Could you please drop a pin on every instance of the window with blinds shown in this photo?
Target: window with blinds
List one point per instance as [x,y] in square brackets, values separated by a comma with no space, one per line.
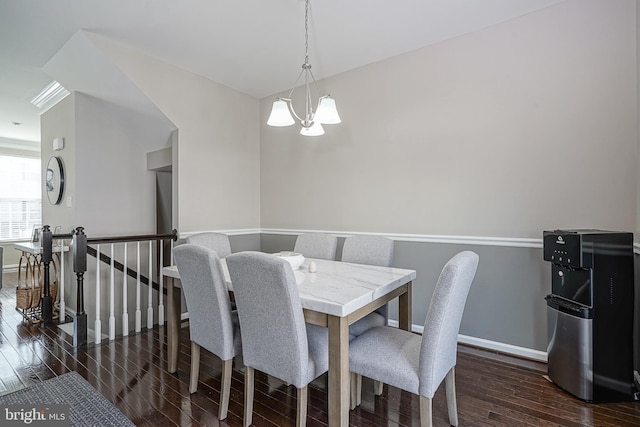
[20,197]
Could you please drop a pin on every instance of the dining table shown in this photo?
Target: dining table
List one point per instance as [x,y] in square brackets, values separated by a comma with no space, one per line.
[335,295]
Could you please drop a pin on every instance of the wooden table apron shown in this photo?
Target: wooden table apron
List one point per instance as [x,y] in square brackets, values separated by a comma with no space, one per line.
[338,386]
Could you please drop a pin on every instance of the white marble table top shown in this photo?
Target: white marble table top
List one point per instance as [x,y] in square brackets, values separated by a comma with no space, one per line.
[336,288]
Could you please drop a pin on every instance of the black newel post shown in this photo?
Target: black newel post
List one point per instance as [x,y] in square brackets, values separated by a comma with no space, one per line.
[47,257]
[79,267]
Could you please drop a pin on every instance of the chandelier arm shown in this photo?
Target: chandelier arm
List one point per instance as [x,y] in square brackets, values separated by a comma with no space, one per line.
[295,84]
[308,110]
[315,83]
[293,111]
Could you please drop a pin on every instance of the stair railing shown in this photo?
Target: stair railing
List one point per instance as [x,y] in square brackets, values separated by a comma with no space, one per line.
[80,251]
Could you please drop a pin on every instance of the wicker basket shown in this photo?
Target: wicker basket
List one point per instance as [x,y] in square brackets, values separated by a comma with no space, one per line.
[30,287]
[29,292]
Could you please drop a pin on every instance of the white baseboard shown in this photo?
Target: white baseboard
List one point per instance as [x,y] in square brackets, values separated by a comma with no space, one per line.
[510,349]
[10,268]
[513,350]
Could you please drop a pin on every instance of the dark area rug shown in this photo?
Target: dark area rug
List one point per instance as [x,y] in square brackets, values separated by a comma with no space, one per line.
[85,405]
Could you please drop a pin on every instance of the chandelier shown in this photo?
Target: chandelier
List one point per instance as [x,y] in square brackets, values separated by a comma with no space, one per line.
[326,112]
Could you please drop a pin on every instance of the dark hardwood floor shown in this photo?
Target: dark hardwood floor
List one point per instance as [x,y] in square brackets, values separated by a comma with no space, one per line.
[492,389]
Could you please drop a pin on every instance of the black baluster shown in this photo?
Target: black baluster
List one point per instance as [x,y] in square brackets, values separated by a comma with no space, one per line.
[79,267]
[46,303]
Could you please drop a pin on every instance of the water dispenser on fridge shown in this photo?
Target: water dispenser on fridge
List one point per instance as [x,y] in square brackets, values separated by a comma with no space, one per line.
[590,313]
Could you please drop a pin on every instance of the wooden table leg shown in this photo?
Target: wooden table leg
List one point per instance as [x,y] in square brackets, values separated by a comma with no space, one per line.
[173,324]
[338,371]
[404,309]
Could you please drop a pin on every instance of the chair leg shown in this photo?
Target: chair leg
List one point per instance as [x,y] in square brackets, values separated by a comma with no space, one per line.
[301,413]
[355,388]
[353,398]
[248,396]
[377,388]
[225,385]
[452,406]
[195,367]
[426,409]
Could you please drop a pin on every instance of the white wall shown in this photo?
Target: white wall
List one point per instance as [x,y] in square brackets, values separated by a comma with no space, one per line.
[116,194]
[60,122]
[521,127]
[111,191]
[218,168]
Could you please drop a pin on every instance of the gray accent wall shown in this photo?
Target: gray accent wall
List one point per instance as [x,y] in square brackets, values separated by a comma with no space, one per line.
[506,302]
[245,242]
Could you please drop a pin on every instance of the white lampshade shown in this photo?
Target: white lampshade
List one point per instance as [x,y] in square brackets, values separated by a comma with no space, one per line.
[315,130]
[280,114]
[327,113]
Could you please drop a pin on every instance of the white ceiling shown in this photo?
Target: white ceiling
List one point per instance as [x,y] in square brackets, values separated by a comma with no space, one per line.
[254,46]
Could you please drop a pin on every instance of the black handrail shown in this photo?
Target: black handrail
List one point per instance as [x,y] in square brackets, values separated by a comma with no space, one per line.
[141,238]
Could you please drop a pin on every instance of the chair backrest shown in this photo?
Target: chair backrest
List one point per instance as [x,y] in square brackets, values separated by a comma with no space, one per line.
[207,298]
[274,336]
[217,241]
[371,250]
[317,245]
[441,327]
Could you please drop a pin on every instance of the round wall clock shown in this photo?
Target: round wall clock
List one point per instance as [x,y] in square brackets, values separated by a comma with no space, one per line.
[54,180]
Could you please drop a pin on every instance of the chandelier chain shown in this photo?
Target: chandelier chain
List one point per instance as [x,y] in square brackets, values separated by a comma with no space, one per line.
[306,32]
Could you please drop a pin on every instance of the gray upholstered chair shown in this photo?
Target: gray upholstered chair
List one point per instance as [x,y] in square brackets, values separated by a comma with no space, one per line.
[217,241]
[420,364]
[317,245]
[371,250]
[212,323]
[275,338]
